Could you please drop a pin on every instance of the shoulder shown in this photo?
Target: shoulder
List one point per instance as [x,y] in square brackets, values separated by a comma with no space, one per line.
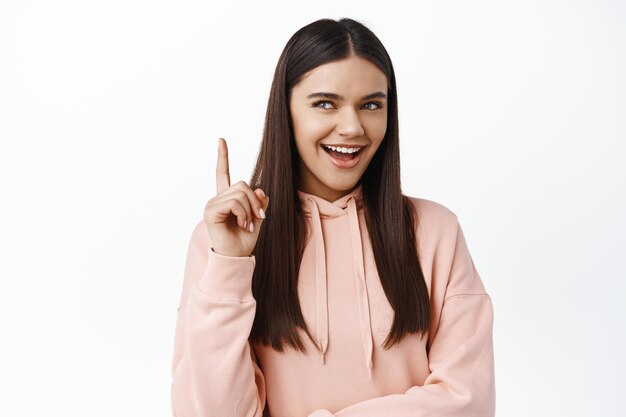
[444,253]
[433,216]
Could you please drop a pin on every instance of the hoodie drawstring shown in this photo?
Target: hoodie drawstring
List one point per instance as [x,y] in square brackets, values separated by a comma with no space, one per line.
[359,272]
[321,282]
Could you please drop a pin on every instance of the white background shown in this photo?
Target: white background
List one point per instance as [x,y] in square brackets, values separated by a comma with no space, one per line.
[512,114]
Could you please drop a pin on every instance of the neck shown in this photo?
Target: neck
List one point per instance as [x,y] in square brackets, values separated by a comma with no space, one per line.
[328,194]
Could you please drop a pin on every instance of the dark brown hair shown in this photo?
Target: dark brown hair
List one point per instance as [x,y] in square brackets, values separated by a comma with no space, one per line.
[390,215]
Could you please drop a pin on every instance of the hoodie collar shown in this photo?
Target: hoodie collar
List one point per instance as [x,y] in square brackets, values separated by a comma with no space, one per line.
[317,209]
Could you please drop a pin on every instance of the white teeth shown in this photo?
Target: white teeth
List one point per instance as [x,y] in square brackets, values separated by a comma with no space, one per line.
[343,150]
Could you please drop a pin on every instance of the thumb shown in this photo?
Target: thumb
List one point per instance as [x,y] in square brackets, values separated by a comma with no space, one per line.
[266,202]
[263,198]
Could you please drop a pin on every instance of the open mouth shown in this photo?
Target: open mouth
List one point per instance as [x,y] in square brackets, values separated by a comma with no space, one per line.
[342,156]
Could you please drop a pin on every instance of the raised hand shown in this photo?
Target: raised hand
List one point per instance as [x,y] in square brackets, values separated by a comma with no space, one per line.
[233,217]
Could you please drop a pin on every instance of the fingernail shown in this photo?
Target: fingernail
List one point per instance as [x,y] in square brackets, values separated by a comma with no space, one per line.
[261,213]
[262,193]
[251,227]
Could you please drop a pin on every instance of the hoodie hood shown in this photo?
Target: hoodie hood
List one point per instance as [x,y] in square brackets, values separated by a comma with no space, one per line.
[317,209]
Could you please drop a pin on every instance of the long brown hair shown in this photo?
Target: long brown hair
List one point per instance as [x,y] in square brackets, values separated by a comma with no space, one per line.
[390,215]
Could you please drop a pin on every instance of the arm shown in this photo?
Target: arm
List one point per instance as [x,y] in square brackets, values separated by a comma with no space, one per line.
[214,370]
[461,359]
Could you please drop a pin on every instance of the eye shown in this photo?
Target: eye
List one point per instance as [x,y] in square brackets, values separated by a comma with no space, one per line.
[316,104]
[377,103]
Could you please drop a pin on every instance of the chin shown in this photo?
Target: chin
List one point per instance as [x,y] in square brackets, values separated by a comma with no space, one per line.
[342,185]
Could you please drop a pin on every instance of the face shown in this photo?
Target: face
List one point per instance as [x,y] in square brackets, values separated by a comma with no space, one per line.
[352,113]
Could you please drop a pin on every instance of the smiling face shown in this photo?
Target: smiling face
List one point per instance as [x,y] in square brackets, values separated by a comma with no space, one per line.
[351,112]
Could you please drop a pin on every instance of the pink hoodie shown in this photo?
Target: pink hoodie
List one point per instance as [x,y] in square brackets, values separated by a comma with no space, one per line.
[217,373]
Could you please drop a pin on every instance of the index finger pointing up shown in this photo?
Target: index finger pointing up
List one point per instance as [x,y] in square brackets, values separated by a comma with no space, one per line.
[222,171]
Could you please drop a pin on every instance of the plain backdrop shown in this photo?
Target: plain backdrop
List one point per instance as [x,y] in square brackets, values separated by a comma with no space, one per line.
[512,114]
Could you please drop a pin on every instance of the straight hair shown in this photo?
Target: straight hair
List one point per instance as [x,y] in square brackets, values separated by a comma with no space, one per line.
[390,215]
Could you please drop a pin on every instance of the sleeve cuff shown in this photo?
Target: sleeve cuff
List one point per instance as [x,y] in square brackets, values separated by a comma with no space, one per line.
[227,277]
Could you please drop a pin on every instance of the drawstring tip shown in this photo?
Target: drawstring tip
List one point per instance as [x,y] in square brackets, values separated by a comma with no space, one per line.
[322,357]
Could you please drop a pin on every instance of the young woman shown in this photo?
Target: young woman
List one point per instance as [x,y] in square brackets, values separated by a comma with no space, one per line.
[318,288]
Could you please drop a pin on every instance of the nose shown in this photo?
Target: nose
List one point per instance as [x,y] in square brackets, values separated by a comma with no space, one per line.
[349,123]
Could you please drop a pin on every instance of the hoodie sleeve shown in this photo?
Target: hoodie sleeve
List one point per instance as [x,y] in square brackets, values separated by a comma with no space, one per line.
[461,358]
[214,369]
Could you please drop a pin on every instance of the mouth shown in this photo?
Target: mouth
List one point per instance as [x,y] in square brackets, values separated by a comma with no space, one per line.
[344,159]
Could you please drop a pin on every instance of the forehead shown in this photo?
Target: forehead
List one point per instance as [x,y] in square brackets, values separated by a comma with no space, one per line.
[348,76]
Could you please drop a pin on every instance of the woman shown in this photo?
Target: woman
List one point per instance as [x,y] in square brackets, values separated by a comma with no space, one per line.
[340,296]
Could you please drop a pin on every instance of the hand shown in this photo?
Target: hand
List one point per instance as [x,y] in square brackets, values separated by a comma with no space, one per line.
[232,216]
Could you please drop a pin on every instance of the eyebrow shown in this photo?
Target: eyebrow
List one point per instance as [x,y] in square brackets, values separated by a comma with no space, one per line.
[378,94]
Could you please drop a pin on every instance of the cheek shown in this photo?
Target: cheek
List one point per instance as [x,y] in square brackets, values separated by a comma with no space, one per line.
[315,128]
[376,131]
[309,131]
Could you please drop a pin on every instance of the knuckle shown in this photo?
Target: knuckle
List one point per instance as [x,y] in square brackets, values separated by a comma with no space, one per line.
[233,203]
[243,199]
[242,195]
